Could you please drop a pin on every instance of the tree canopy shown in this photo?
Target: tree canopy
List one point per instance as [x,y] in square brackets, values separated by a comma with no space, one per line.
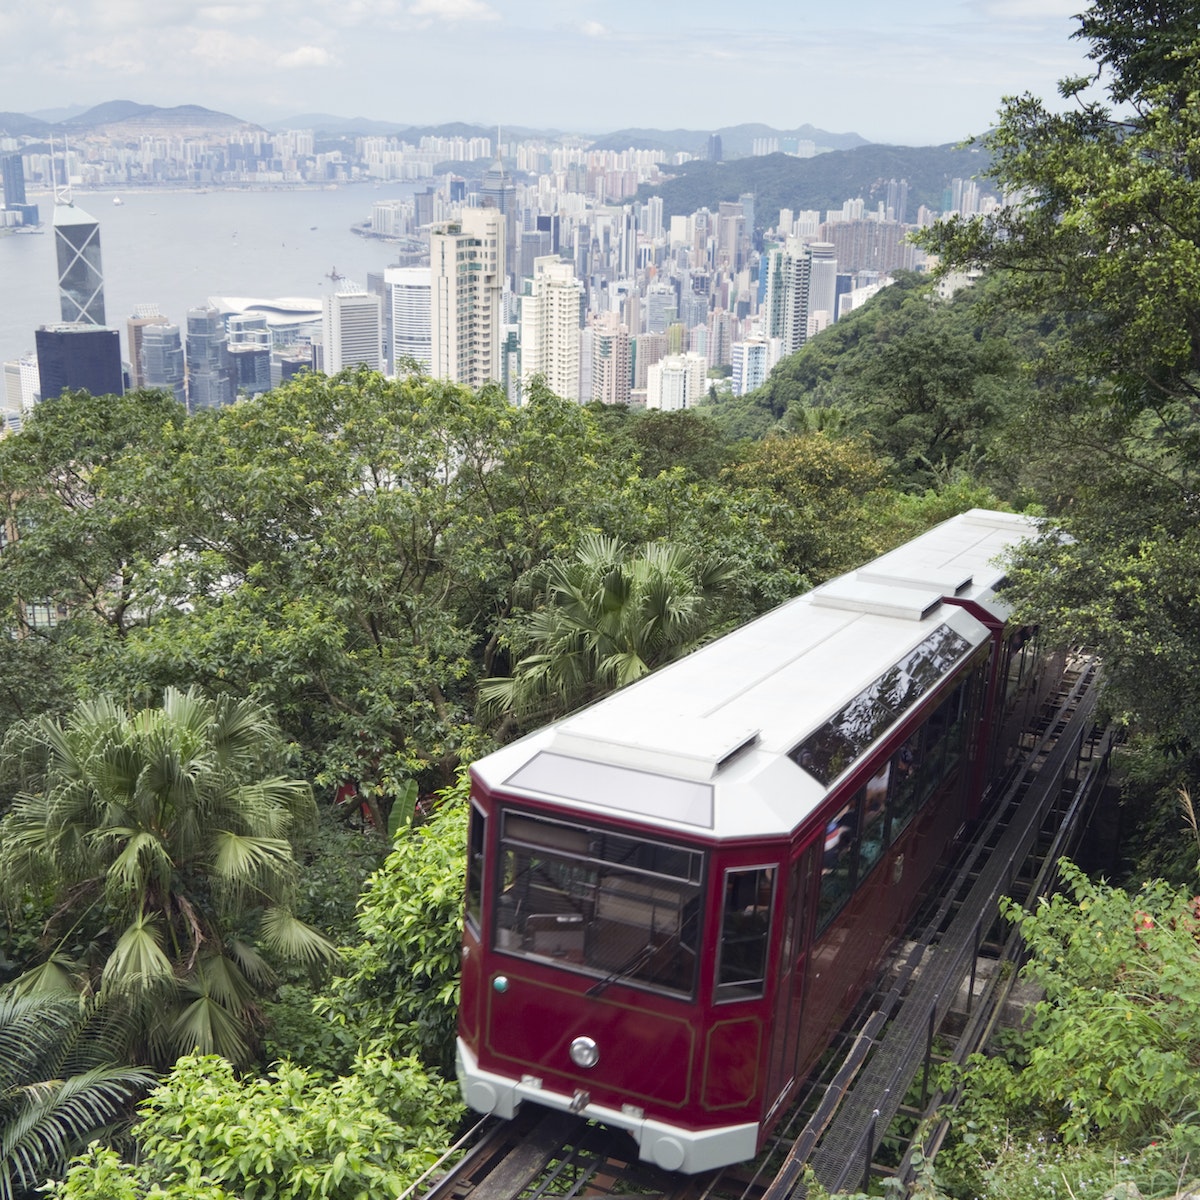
[1102,230]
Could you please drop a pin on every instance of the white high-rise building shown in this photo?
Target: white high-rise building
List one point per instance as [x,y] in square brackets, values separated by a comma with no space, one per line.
[352,329]
[752,363]
[20,384]
[676,381]
[822,288]
[409,293]
[786,305]
[467,265]
[550,311]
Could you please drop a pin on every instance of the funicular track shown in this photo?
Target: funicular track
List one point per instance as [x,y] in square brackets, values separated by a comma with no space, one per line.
[946,987]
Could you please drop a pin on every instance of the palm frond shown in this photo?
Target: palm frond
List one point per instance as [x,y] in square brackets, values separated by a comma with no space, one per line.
[137,965]
[220,977]
[205,1027]
[142,861]
[251,964]
[243,865]
[57,978]
[289,937]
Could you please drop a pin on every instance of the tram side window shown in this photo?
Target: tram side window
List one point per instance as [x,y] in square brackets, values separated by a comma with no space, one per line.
[476,840]
[873,837]
[745,933]
[905,796]
[838,861]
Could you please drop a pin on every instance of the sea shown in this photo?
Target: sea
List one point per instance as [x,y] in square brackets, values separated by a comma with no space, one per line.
[175,249]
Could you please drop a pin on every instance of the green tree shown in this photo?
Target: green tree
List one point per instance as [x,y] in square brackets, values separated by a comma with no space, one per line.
[602,619]
[823,494]
[347,549]
[81,535]
[1097,1087]
[164,836]
[60,1086]
[1106,233]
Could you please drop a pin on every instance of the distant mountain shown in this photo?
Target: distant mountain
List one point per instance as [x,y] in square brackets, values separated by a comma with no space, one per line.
[823,182]
[109,113]
[328,125]
[23,125]
[737,141]
[123,116]
[55,115]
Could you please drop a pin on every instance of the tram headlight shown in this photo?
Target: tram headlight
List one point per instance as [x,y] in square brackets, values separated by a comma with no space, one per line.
[584,1052]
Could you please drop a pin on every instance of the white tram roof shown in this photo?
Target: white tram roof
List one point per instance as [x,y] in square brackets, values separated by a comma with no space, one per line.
[701,746]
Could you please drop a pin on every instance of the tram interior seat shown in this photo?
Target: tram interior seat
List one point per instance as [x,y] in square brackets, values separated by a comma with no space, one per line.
[559,935]
[635,920]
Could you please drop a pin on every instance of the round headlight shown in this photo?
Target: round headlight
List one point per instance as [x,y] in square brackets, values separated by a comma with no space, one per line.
[585,1052]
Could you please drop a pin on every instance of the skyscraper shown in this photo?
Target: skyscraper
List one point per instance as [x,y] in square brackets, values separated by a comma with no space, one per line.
[251,367]
[611,360]
[676,381]
[12,171]
[467,265]
[785,309]
[75,355]
[80,277]
[499,192]
[143,315]
[550,310]
[751,365]
[352,329]
[161,359]
[822,289]
[209,372]
[662,307]
[409,297]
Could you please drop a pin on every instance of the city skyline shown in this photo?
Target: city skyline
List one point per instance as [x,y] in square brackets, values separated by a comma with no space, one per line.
[924,75]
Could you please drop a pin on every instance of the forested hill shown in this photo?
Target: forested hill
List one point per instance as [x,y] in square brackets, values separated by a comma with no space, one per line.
[825,181]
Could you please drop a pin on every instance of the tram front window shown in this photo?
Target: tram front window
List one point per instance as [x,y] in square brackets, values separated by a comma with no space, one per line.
[604,904]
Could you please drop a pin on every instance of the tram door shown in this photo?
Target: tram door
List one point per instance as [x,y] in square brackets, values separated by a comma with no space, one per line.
[789,987]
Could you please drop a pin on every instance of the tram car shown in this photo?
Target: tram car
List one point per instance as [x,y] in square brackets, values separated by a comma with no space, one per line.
[675,896]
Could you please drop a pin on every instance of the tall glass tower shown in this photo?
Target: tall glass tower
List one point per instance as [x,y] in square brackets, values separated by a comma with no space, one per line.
[80,278]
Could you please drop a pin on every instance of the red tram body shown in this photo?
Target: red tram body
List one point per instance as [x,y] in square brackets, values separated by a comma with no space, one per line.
[674,895]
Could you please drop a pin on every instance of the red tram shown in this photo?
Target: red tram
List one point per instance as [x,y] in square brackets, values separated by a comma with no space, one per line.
[674,895]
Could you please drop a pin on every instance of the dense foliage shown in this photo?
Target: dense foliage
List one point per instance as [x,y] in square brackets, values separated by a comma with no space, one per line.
[399,989]
[60,1086]
[206,1134]
[162,838]
[1104,231]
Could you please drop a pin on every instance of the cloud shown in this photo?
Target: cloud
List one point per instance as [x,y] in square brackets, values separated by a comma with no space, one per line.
[454,10]
[1042,10]
[229,14]
[593,29]
[304,56]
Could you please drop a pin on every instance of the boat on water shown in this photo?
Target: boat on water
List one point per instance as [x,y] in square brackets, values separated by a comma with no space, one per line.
[117,201]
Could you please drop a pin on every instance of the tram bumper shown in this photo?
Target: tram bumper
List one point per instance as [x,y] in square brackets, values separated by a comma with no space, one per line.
[666,1146]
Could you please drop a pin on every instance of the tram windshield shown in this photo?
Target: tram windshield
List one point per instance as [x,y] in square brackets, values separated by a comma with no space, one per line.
[619,907]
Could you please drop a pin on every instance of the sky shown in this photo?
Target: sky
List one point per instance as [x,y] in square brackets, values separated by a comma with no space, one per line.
[924,72]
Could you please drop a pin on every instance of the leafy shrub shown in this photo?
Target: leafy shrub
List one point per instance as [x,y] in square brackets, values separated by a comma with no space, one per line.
[208,1135]
[400,987]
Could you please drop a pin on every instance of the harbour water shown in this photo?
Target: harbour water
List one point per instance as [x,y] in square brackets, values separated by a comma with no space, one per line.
[176,249]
